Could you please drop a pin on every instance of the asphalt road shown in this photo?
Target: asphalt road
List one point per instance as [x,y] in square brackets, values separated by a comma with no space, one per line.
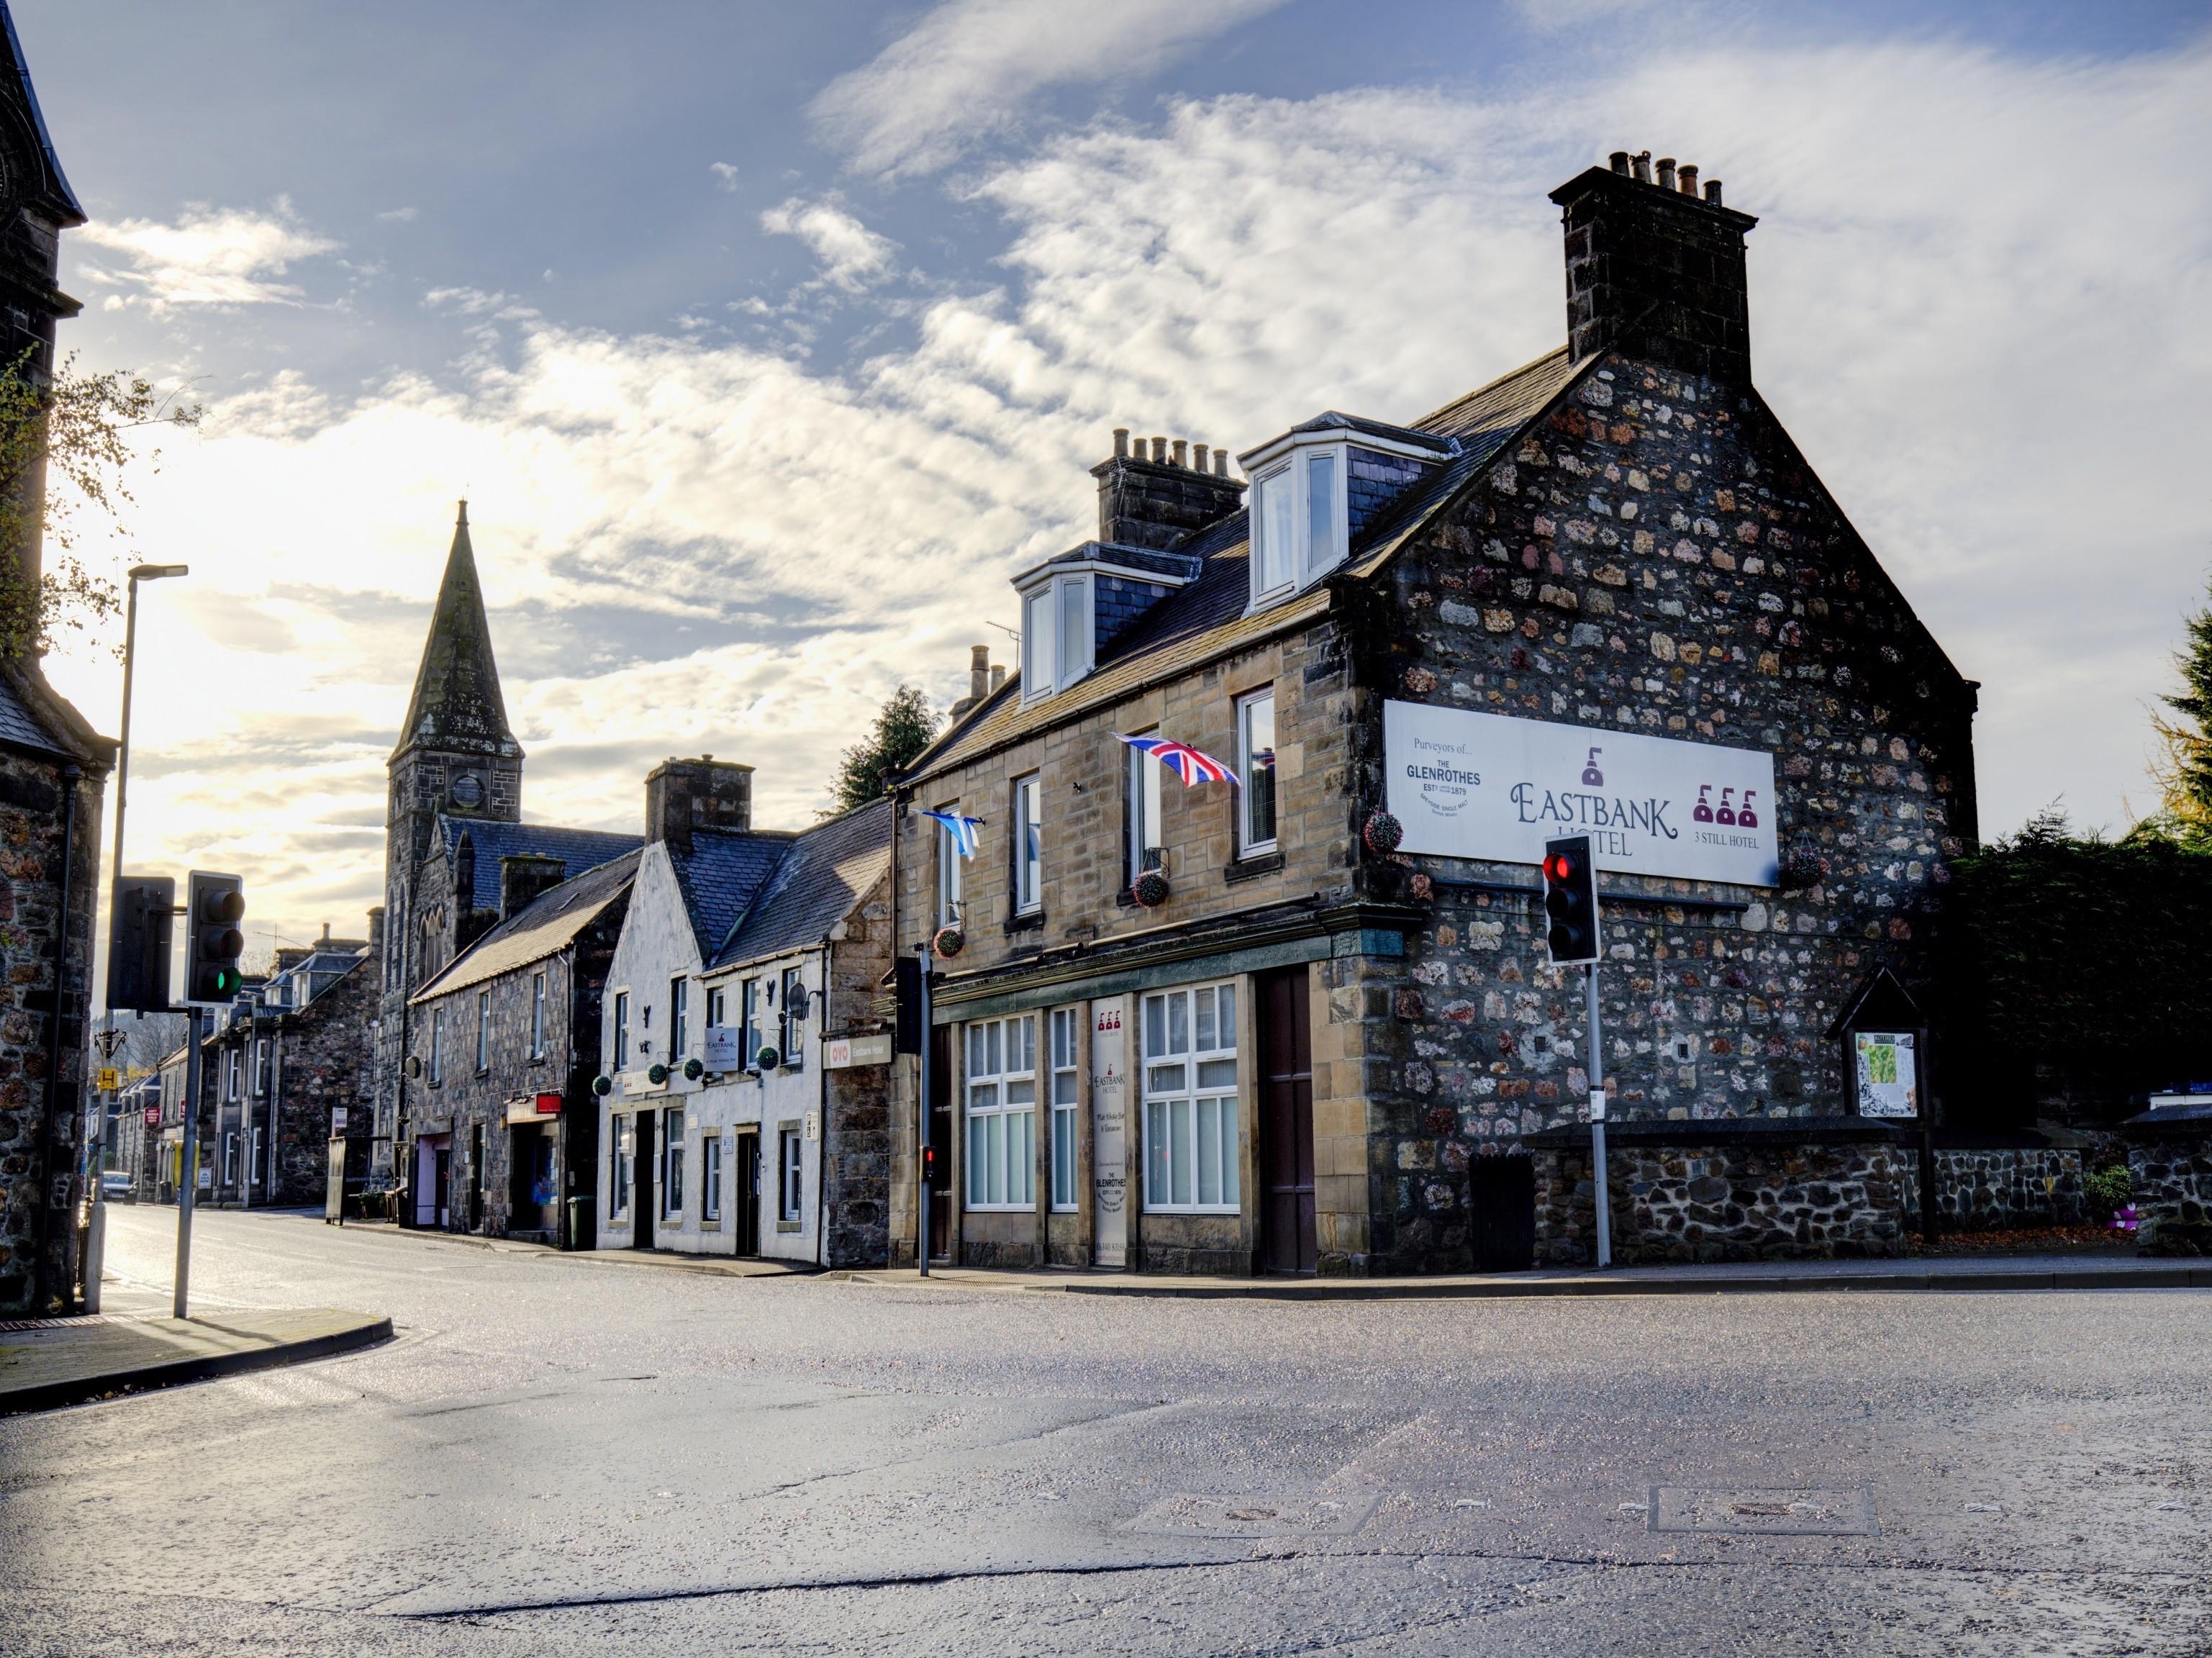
[560,1456]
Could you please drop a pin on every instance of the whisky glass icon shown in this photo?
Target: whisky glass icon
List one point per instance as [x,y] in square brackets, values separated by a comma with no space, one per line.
[1745,816]
[1702,813]
[1727,812]
[1591,775]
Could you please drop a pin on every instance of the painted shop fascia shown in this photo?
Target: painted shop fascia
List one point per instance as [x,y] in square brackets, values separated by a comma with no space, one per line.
[747,957]
[1616,548]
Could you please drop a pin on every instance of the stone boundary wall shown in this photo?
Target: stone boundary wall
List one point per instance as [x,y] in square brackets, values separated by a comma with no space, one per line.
[1987,1189]
[2173,1180]
[1722,1203]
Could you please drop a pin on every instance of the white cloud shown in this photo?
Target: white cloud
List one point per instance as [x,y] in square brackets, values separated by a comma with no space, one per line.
[852,256]
[725,173]
[692,544]
[399,216]
[208,256]
[970,67]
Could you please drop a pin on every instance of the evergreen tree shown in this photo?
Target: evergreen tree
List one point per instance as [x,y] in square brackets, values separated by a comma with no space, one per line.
[2185,769]
[904,728]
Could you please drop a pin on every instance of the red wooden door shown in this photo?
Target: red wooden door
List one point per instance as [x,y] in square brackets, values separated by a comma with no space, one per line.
[1286,1140]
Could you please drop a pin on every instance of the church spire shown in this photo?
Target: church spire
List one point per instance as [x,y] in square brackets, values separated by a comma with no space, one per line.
[457,704]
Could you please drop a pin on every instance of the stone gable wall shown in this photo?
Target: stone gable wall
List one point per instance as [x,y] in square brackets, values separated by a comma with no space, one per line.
[856,1184]
[1655,559]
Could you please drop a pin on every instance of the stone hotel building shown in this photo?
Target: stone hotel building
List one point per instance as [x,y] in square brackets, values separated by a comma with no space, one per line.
[1306,1022]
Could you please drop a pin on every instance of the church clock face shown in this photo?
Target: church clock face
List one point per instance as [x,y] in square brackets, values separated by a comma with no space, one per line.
[468,790]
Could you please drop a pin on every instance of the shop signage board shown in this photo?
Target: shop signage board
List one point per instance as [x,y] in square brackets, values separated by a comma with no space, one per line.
[846,1051]
[1469,784]
[719,1050]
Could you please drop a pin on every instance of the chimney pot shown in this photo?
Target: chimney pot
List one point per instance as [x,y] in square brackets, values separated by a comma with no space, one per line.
[1159,452]
[1198,456]
[1180,453]
[1221,462]
[1713,192]
[1689,177]
[1643,166]
[1121,443]
[1618,160]
[1666,173]
[997,675]
[979,672]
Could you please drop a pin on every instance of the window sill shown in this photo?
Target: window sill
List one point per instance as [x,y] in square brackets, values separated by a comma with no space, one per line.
[710,1225]
[1002,1209]
[1028,920]
[1252,865]
[787,1226]
[1201,1213]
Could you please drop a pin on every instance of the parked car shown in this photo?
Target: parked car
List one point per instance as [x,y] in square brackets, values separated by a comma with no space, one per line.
[116,1187]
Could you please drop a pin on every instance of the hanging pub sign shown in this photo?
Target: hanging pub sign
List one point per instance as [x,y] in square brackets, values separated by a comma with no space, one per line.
[1468,784]
[1886,1065]
[719,1048]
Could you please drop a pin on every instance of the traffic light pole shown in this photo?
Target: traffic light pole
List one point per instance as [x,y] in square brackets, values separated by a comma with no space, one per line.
[188,1177]
[921,1120]
[1597,1126]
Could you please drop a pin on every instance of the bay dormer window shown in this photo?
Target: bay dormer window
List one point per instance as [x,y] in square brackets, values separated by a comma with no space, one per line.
[1056,635]
[1313,487]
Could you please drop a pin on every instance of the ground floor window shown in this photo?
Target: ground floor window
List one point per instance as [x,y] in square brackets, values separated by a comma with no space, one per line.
[1192,1148]
[672,1163]
[1064,1032]
[791,1161]
[710,1177]
[1002,1113]
[624,1175]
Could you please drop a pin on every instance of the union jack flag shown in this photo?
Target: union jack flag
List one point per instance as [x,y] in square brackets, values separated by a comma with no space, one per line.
[961,830]
[1185,761]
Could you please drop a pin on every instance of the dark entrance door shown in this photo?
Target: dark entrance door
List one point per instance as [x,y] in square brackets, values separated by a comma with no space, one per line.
[640,1232]
[746,1220]
[443,1185]
[1286,1139]
[1503,1199]
[940,1142]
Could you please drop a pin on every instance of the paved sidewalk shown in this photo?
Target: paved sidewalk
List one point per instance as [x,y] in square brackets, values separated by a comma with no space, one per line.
[44,1363]
[1985,1274]
[665,1259]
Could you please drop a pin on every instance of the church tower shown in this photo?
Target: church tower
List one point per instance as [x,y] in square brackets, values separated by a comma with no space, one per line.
[458,759]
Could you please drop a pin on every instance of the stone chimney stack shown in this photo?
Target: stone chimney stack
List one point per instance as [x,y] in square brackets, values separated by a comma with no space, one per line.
[1656,268]
[1156,502]
[525,877]
[682,795]
[983,678]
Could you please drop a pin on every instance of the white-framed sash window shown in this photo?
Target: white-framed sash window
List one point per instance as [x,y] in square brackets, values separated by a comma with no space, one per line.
[484,1030]
[948,872]
[1001,1080]
[1028,845]
[1194,1149]
[679,1018]
[1056,635]
[538,1016]
[622,1030]
[791,1187]
[672,1163]
[621,1172]
[1144,830]
[1255,764]
[710,1175]
[1065,1027]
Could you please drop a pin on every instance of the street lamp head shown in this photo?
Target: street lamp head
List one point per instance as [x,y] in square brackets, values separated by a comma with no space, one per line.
[156,572]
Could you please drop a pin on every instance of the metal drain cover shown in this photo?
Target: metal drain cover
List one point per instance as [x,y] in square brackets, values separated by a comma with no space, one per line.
[1761,1512]
[1190,1515]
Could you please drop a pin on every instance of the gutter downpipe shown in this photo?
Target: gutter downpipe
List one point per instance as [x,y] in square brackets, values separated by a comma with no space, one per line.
[822,1155]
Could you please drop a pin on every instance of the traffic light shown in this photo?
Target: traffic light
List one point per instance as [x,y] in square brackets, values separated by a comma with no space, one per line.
[213,943]
[1571,900]
[139,928]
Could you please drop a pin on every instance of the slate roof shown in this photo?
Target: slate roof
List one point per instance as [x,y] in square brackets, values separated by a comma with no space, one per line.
[543,928]
[579,849]
[822,874]
[20,728]
[720,876]
[57,185]
[457,702]
[1208,618]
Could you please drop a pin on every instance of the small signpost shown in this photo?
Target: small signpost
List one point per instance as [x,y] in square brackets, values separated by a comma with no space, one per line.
[106,1080]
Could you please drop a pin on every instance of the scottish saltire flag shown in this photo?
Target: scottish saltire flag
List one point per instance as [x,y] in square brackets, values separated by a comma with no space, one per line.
[1185,761]
[961,830]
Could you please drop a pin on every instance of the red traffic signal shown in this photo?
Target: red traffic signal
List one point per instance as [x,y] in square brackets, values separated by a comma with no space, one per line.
[1571,901]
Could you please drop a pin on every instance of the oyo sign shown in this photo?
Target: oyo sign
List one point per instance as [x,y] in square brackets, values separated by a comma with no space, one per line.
[1487,786]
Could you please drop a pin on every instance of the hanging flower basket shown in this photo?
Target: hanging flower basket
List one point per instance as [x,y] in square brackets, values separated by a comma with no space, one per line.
[602,1086]
[1383,833]
[1151,889]
[656,1074]
[693,1070]
[767,1058]
[950,940]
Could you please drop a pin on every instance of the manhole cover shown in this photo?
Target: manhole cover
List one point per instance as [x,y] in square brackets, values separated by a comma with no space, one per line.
[1188,1514]
[1763,1513]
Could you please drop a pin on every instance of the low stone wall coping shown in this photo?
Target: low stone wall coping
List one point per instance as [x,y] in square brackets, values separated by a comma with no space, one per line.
[1731,1131]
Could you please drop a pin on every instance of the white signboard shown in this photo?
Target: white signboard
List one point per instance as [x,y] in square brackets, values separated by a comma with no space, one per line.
[846,1051]
[720,1051]
[1888,1079]
[1468,784]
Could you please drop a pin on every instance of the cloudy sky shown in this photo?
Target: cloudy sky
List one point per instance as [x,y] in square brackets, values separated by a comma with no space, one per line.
[767,341]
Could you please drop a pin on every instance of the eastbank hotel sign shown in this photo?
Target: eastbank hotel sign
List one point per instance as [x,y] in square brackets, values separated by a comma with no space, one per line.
[1467,784]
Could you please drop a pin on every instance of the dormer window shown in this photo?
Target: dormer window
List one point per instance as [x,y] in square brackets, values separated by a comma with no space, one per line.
[1056,635]
[1303,515]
